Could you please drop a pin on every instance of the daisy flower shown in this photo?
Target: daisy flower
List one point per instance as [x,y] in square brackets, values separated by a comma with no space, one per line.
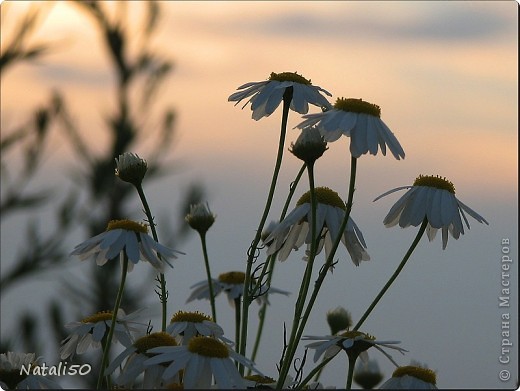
[433,198]
[13,373]
[232,283]
[201,360]
[359,120]
[135,355]
[411,378]
[295,229]
[200,217]
[353,342]
[186,325]
[89,332]
[266,96]
[130,237]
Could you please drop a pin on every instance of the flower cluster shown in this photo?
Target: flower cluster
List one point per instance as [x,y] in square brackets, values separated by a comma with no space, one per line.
[193,349]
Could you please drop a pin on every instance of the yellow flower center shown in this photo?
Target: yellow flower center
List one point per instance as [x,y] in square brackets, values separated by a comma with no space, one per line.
[129,225]
[354,334]
[154,340]
[209,347]
[193,317]
[324,195]
[289,76]
[98,317]
[434,181]
[260,379]
[424,374]
[232,278]
[357,106]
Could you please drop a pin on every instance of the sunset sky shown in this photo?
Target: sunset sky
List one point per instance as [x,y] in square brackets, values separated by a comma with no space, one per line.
[445,77]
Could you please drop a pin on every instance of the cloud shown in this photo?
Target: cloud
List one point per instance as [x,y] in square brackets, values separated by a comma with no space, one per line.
[420,21]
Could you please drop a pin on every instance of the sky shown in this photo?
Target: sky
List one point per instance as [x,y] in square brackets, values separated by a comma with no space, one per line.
[445,77]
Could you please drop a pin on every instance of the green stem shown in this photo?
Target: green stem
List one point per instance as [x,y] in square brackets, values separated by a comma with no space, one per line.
[330,258]
[351,364]
[304,288]
[164,293]
[271,261]
[208,274]
[119,297]
[394,276]
[246,298]
[237,322]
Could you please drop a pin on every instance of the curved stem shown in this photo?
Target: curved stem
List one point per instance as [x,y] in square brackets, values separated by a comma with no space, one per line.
[119,297]
[208,274]
[304,288]
[246,298]
[271,261]
[394,276]
[164,293]
[316,370]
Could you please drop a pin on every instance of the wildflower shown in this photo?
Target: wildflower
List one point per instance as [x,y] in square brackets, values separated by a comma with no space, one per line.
[359,120]
[267,95]
[202,359]
[295,230]
[200,217]
[131,168]
[232,283]
[433,198]
[130,237]
[354,343]
[309,146]
[411,378]
[89,332]
[135,355]
[187,325]
[13,372]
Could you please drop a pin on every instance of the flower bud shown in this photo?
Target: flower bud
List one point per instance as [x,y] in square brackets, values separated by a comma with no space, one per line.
[338,319]
[131,168]
[200,217]
[309,146]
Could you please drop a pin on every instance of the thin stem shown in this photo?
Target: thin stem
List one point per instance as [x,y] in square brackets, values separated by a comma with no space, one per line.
[304,288]
[271,261]
[350,375]
[237,322]
[394,276]
[119,297]
[246,299]
[330,258]
[208,274]
[164,293]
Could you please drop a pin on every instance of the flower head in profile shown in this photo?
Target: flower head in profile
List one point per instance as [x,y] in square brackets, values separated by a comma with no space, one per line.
[89,332]
[232,283]
[432,198]
[128,236]
[203,359]
[266,96]
[359,120]
[131,168]
[411,378]
[338,319]
[186,325]
[354,343]
[295,229]
[134,357]
[13,373]
[200,217]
